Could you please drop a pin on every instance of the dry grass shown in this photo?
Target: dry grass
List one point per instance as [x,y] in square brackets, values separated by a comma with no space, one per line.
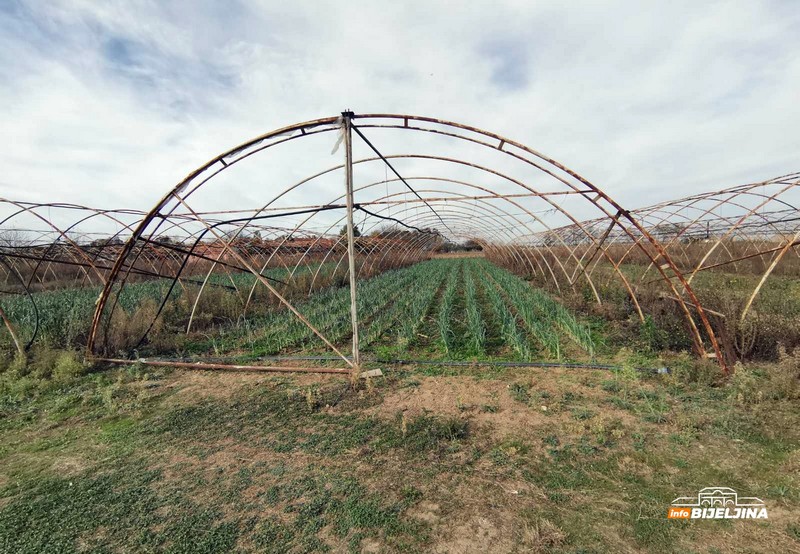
[467,462]
[464,254]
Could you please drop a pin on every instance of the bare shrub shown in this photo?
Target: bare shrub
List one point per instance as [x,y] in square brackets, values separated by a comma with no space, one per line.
[745,334]
[125,330]
[215,306]
[747,387]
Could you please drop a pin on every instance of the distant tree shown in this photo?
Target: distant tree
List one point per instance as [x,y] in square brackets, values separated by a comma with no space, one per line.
[14,237]
[550,239]
[385,231]
[112,241]
[343,231]
[667,231]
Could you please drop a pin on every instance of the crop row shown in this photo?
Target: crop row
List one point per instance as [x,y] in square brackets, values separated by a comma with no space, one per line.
[510,332]
[544,317]
[446,300]
[403,319]
[444,318]
[476,327]
[395,296]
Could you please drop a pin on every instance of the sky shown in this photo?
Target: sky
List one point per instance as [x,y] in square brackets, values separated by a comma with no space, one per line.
[110,104]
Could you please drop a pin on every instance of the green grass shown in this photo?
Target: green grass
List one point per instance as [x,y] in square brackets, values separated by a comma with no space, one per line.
[133,498]
[444,317]
[476,327]
[399,313]
[134,460]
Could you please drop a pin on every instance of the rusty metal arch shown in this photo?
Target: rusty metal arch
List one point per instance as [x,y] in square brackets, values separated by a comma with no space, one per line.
[757,222]
[753,229]
[770,232]
[175,205]
[35,252]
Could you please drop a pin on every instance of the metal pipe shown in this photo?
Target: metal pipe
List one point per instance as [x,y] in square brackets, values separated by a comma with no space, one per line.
[224,367]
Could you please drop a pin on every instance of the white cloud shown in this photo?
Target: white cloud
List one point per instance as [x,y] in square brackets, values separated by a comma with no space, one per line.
[111,104]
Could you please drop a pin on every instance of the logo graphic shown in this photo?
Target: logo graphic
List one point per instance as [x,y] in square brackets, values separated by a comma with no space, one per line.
[717,503]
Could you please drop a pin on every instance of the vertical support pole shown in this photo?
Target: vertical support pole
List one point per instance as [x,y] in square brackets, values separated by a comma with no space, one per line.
[12,332]
[347,122]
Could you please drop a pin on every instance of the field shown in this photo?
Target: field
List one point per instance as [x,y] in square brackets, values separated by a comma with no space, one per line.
[430,457]
[422,460]
[386,332]
[448,308]
[456,309]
